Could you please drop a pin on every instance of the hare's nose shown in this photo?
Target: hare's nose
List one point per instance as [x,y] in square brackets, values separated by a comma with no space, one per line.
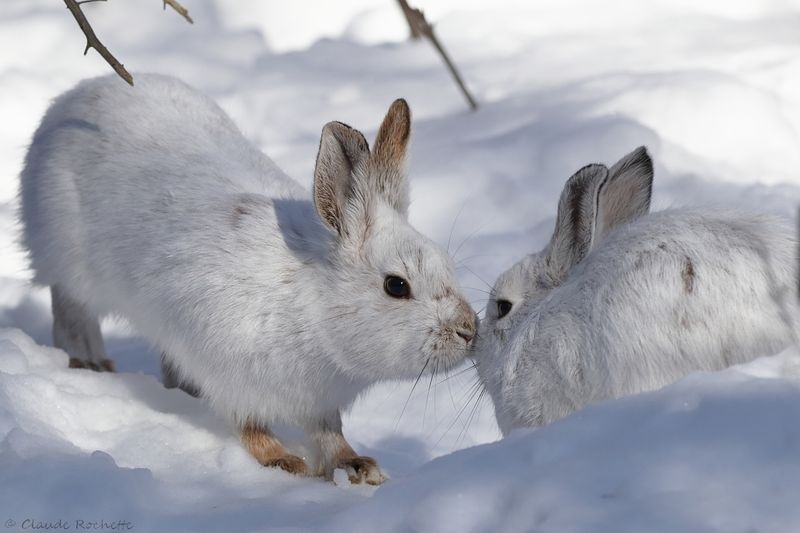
[466,335]
[466,330]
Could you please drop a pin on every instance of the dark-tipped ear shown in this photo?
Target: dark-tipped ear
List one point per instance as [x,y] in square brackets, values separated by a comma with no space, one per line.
[392,138]
[625,195]
[575,220]
[388,177]
[341,149]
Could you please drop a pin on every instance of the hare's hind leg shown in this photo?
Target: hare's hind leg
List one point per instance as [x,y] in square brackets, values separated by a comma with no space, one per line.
[171,379]
[77,331]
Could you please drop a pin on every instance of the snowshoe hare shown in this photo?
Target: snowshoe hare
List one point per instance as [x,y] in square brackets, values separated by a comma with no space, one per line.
[278,306]
[621,302]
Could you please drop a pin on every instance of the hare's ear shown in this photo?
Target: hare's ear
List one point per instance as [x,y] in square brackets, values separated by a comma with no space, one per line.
[341,150]
[389,156]
[625,195]
[577,208]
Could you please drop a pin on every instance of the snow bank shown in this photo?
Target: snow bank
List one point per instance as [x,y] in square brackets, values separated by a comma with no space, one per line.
[714,452]
[78,445]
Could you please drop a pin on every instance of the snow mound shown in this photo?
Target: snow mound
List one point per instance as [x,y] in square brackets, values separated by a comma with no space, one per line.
[713,452]
[80,445]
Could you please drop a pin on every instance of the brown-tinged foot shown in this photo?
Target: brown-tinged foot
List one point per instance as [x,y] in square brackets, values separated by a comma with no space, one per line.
[105,365]
[361,469]
[269,451]
[289,463]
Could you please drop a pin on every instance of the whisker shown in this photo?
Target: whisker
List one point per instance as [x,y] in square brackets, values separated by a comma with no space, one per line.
[473,257]
[471,415]
[428,360]
[449,389]
[449,237]
[477,289]
[471,235]
[473,366]
[477,276]
[428,394]
[471,392]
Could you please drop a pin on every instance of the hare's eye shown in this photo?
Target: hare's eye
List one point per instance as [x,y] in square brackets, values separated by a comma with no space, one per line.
[396,287]
[503,308]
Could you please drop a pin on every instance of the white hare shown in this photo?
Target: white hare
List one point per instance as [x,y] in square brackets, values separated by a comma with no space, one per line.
[279,306]
[621,302]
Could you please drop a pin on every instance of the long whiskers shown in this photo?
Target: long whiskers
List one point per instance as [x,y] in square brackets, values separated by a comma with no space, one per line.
[473,391]
[468,237]
[473,366]
[472,414]
[477,276]
[476,289]
[428,394]
[454,225]
[427,361]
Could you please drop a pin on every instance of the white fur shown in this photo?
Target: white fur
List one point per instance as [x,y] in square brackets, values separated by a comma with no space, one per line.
[659,296]
[147,202]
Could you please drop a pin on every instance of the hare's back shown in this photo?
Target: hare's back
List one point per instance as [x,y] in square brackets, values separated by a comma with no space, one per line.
[159,134]
[728,244]
[682,291]
[117,176]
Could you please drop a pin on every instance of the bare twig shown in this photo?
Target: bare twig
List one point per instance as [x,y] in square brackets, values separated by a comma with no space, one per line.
[415,34]
[417,22]
[93,42]
[182,11]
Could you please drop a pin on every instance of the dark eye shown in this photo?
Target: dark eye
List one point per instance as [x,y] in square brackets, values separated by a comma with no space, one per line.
[396,287]
[503,308]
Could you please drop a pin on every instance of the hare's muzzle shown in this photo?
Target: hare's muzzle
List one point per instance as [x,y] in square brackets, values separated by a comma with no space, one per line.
[465,323]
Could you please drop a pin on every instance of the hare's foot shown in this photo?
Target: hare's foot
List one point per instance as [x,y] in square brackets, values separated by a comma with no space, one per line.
[362,469]
[77,332]
[171,379]
[290,463]
[105,365]
[334,452]
[269,451]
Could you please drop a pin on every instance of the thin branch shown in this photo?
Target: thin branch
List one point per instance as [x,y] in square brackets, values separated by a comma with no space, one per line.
[416,19]
[182,11]
[415,34]
[93,42]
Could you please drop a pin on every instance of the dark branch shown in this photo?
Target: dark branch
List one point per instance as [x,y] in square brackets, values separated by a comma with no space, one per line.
[418,23]
[182,11]
[409,15]
[93,42]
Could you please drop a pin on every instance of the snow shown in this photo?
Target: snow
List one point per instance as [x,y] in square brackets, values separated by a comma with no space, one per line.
[710,453]
[712,88]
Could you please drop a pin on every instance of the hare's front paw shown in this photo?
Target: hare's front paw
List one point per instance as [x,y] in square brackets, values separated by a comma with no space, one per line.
[105,365]
[362,469]
[289,463]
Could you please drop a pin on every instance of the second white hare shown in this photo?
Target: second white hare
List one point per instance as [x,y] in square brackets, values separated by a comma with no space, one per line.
[621,302]
[279,306]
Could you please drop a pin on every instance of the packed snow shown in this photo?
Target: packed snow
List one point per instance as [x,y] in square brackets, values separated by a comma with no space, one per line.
[712,88]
